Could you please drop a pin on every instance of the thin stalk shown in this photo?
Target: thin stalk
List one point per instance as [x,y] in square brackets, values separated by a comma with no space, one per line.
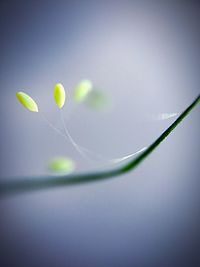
[76,146]
[38,183]
[84,152]
[58,131]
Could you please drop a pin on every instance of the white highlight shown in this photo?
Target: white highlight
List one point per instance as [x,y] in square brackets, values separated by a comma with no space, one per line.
[128,156]
[165,116]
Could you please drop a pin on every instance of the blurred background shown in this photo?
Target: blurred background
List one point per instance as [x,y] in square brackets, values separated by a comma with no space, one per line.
[145,56]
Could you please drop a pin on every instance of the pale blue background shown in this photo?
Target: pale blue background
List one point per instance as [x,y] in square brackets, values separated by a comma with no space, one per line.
[145,55]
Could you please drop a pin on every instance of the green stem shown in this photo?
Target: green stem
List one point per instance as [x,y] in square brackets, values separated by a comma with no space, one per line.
[36,183]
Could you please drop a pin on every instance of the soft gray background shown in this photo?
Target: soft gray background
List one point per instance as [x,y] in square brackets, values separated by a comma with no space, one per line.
[145,55]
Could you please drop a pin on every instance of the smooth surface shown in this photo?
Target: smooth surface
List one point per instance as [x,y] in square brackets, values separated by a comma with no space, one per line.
[27,101]
[145,55]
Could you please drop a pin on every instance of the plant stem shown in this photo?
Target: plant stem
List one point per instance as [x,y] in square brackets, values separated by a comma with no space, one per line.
[36,183]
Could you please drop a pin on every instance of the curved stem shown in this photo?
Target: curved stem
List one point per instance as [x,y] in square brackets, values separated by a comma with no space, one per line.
[36,183]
